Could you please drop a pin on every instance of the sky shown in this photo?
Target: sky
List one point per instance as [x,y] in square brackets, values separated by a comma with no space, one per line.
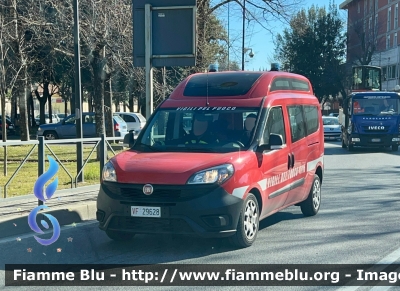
[258,38]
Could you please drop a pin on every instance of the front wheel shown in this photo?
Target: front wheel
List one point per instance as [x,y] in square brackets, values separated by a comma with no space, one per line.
[247,228]
[311,205]
[50,135]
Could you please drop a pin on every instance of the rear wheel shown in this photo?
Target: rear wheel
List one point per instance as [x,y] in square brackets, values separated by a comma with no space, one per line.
[395,147]
[50,135]
[119,235]
[311,205]
[247,228]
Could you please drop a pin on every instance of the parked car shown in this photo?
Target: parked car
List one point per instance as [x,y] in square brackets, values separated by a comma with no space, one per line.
[67,128]
[55,119]
[332,127]
[334,114]
[9,125]
[135,121]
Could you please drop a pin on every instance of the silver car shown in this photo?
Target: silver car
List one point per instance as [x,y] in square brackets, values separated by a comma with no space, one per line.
[332,127]
[134,121]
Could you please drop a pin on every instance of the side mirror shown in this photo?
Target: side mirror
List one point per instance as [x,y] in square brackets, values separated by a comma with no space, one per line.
[275,141]
[129,138]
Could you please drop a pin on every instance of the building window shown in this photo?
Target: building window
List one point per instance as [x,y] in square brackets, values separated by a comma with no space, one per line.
[387,41]
[376,24]
[358,7]
[371,2]
[396,14]
[392,72]
[395,40]
[376,5]
[365,7]
[370,24]
[389,16]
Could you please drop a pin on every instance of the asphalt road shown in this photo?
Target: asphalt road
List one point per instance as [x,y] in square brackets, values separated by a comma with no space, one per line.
[358,223]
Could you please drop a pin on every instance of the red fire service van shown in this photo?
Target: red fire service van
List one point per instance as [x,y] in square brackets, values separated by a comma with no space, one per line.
[224,151]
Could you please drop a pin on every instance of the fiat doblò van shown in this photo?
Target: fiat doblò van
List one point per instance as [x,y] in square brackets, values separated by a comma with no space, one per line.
[224,151]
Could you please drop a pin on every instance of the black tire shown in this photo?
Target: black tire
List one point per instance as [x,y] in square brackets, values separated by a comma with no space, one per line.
[247,228]
[119,235]
[311,205]
[350,147]
[50,135]
[395,148]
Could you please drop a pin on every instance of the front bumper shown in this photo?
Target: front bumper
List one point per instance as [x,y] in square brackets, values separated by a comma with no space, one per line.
[203,210]
[374,140]
[332,135]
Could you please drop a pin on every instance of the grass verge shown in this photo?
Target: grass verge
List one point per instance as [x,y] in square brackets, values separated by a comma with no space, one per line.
[23,182]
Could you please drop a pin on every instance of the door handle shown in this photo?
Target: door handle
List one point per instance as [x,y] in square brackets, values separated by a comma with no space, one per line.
[292,160]
[289,162]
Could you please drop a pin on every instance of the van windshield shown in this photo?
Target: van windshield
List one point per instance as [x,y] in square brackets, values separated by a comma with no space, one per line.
[199,129]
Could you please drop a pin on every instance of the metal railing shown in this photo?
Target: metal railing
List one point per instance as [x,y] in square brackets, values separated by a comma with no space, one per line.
[41,144]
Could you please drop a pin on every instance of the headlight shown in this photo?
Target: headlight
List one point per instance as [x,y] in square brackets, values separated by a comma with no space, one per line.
[217,174]
[39,129]
[109,173]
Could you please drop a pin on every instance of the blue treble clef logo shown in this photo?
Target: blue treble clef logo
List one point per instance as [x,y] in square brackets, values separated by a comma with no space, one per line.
[39,193]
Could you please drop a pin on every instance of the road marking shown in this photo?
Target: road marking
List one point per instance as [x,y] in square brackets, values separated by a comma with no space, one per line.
[388,260]
[9,239]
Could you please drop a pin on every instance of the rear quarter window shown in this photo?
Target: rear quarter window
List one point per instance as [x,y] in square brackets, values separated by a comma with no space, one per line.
[312,120]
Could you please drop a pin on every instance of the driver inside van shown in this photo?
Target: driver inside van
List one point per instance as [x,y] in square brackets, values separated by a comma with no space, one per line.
[199,133]
[249,125]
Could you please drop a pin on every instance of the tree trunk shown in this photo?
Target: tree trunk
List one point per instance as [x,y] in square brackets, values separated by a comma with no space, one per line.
[98,95]
[72,103]
[50,108]
[65,107]
[32,109]
[42,104]
[108,108]
[23,119]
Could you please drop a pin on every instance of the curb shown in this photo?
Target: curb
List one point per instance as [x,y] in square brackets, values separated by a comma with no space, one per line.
[15,225]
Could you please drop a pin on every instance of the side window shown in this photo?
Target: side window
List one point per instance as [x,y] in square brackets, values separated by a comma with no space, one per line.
[312,121]
[88,119]
[129,118]
[297,126]
[275,124]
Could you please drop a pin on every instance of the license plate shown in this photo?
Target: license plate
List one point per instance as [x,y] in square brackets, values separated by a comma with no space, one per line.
[144,211]
[376,140]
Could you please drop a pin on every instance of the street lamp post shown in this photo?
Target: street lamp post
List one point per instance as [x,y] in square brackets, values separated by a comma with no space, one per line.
[78,93]
[243,33]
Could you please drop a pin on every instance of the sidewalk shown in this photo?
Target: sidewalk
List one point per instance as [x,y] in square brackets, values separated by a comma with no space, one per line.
[68,206]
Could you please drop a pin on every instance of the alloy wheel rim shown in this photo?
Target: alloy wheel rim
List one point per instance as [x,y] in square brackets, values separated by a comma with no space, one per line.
[250,219]
[316,194]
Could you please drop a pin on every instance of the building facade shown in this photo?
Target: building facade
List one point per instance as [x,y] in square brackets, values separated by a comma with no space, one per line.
[373,29]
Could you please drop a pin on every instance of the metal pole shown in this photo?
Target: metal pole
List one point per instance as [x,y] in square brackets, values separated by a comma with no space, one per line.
[243,33]
[41,161]
[148,57]
[78,94]
[229,45]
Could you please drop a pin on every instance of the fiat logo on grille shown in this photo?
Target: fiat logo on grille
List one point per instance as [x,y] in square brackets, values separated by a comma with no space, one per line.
[148,189]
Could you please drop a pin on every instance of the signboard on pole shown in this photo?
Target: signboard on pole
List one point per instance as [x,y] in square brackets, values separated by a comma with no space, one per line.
[164,35]
[172,29]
